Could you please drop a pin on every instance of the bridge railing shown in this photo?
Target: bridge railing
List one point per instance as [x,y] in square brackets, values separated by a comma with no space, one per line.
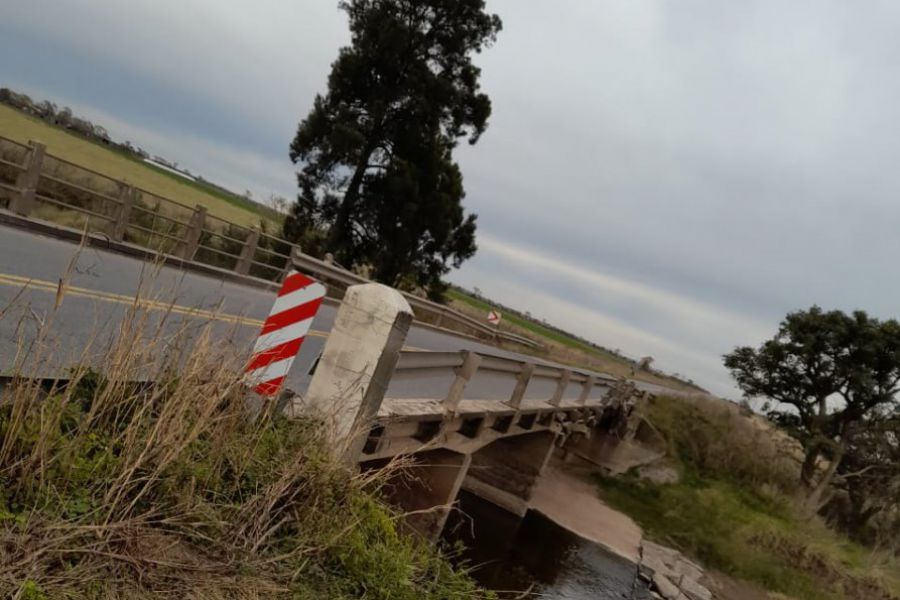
[36,184]
[516,383]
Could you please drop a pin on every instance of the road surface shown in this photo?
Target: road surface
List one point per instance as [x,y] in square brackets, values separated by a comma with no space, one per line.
[101,290]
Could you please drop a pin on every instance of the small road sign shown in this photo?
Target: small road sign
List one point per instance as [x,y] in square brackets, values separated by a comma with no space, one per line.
[494,317]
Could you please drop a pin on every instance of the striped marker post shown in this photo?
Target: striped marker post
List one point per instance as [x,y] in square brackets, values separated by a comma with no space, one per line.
[283,332]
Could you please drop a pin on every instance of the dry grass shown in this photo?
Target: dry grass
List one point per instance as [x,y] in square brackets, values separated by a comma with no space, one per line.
[178,487]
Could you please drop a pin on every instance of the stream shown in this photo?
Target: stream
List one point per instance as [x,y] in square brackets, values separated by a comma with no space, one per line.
[536,558]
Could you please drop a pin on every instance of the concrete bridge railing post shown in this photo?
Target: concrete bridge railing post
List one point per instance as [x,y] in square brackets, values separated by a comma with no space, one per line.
[356,365]
[464,373]
[515,401]
[561,387]
[127,195]
[586,390]
[27,181]
[187,247]
[248,251]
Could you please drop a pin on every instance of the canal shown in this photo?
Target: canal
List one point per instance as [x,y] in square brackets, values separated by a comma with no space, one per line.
[536,558]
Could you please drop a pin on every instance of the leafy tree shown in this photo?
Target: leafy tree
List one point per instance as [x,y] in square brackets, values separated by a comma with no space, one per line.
[829,373]
[378,184]
[867,502]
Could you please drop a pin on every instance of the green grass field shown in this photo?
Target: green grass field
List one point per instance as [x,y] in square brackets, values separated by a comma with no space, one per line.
[561,347]
[21,128]
[531,326]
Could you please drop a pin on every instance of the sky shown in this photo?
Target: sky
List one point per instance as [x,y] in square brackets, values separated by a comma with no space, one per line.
[668,179]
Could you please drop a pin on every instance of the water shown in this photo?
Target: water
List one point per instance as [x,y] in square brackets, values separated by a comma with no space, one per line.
[536,557]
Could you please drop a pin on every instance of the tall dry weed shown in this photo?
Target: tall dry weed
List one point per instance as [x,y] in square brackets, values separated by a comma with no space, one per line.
[148,473]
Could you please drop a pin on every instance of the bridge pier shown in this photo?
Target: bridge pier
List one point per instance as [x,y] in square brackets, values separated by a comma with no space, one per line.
[426,489]
[505,472]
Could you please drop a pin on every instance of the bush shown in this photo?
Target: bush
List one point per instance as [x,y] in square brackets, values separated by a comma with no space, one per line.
[717,439]
[734,510]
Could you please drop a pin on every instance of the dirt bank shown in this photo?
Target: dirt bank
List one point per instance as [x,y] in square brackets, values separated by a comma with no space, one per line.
[565,495]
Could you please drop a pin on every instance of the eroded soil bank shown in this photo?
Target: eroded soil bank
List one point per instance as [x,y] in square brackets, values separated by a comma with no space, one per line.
[567,495]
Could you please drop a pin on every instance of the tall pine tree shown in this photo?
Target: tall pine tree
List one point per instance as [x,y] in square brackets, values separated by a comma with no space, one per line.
[378,184]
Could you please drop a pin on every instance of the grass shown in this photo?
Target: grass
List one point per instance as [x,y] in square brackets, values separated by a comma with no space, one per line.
[527,325]
[559,346]
[733,510]
[95,156]
[113,489]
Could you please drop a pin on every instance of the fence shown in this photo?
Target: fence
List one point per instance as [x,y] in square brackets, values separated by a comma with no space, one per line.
[36,184]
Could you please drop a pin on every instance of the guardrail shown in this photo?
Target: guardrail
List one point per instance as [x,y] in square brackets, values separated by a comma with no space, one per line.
[466,364]
[34,183]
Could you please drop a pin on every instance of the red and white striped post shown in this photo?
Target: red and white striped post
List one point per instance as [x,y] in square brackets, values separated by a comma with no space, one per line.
[283,332]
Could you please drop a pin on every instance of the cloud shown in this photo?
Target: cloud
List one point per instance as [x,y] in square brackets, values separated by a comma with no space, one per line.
[683,334]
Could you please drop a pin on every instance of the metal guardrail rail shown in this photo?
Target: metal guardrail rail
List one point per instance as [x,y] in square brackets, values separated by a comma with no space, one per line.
[31,178]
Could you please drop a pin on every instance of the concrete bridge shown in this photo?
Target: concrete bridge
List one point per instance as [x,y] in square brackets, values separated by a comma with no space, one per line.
[367,392]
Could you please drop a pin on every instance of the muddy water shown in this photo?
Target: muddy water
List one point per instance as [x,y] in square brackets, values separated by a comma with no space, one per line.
[536,557]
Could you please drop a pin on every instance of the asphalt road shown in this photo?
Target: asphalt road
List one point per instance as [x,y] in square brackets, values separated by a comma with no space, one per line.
[101,290]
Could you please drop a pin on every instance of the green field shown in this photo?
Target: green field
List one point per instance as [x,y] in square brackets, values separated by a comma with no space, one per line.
[531,326]
[561,347]
[21,128]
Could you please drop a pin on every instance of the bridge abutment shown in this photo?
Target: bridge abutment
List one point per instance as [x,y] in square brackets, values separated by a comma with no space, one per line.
[426,489]
[505,472]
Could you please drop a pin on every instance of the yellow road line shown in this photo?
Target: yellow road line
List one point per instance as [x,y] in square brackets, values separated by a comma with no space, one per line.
[53,287]
[146,303]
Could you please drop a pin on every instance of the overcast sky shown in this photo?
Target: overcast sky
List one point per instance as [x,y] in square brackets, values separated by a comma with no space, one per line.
[667,178]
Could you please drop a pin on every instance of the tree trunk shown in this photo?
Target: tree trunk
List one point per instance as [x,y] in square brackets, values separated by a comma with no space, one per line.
[339,240]
[808,469]
[814,500]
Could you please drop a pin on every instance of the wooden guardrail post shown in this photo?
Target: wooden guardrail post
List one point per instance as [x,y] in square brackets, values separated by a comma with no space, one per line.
[586,389]
[248,251]
[188,246]
[464,373]
[561,388]
[126,200]
[521,385]
[27,181]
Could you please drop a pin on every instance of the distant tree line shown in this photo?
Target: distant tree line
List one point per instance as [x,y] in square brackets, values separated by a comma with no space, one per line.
[64,117]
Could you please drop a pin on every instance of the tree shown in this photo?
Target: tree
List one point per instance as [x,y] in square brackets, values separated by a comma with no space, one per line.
[867,502]
[46,110]
[829,372]
[378,184]
[64,116]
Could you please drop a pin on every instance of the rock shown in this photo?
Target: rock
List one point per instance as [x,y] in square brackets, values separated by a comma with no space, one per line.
[658,559]
[659,473]
[673,576]
[666,588]
[694,590]
[686,570]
